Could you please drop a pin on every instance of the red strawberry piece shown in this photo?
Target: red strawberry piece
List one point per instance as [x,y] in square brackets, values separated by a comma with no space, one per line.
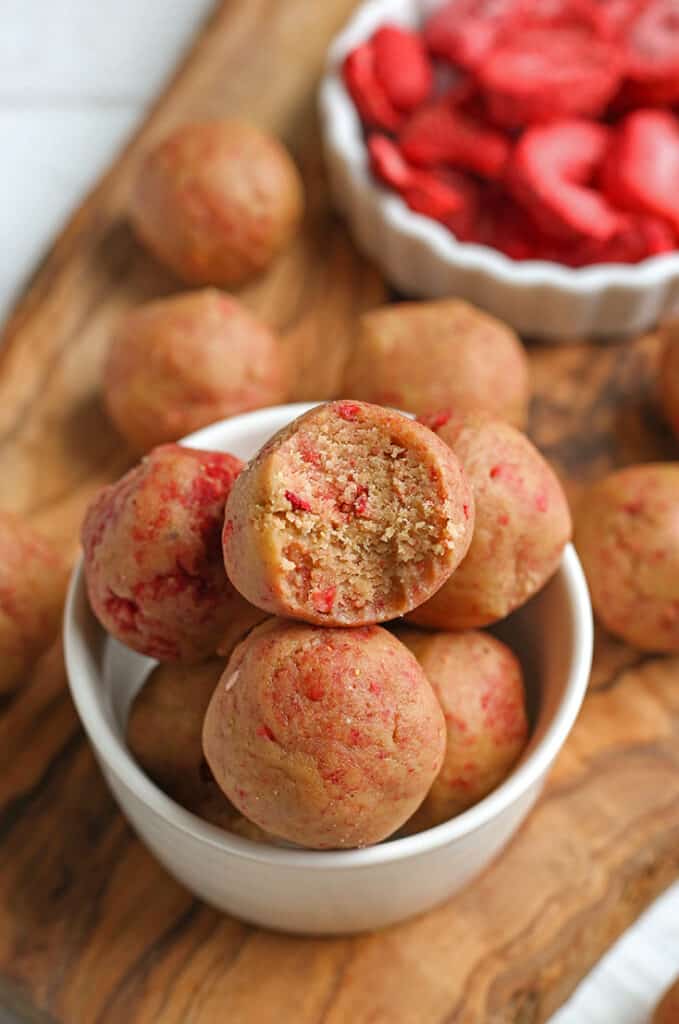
[464,31]
[608,18]
[403,67]
[551,167]
[539,73]
[462,222]
[641,172]
[430,194]
[642,236]
[652,54]
[511,230]
[369,95]
[387,162]
[439,134]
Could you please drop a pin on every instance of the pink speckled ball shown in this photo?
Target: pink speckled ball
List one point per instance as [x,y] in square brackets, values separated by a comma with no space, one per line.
[216,201]
[627,537]
[153,566]
[180,363]
[329,738]
[479,683]
[522,525]
[32,583]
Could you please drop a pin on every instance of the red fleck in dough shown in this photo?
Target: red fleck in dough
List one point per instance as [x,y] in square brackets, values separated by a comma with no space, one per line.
[216,201]
[340,762]
[164,731]
[627,536]
[479,684]
[32,583]
[365,530]
[667,1010]
[522,526]
[668,376]
[423,356]
[153,565]
[180,363]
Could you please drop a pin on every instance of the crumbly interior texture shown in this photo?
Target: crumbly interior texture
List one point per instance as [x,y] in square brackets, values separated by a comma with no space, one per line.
[32,584]
[667,1010]
[668,375]
[426,356]
[180,363]
[164,730]
[153,565]
[216,201]
[479,683]
[328,738]
[627,537]
[354,514]
[523,523]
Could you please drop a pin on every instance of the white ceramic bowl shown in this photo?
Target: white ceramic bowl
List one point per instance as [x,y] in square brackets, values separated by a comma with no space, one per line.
[330,892]
[422,258]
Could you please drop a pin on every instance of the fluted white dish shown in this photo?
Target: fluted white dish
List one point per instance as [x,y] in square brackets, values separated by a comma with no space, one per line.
[330,892]
[422,258]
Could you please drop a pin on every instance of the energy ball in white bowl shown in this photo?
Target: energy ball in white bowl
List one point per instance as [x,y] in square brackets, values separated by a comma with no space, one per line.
[421,356]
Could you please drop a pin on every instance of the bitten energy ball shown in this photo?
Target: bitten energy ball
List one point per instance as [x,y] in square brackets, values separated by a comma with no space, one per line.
[216,201]
[351,514]
[522,525]
[479,684]
[32,580]
[153,565]
[667,1010]
[419,356]
[668,375]
[627,536]
[329,738]
[180,363]
[164,735]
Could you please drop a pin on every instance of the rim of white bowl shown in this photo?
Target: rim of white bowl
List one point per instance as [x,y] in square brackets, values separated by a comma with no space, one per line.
[118,760]
[344,135]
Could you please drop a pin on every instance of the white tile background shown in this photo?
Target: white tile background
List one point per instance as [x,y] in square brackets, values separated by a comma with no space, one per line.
[75,77]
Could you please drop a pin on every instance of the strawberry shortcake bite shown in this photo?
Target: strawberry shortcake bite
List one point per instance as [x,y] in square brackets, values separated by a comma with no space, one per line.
[627,536]
[153,566]
[352,514]
[479,683]
[329,738]
[522,524]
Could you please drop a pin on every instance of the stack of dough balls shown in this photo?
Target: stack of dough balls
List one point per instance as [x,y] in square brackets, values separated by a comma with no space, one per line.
[283,709]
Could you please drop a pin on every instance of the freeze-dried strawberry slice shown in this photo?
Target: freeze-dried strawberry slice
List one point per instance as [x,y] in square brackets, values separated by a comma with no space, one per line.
[652,53]
[509,228]
[403,67]
[434,196]
[439,134]
[642,236]
[464,31]
[366,90]
[463,222]
[387,162]
[641,172]
[551,166]
[538,74]
[609,18]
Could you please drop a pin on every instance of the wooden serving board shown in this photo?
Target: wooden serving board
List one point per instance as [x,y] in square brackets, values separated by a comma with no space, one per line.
[91,928]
